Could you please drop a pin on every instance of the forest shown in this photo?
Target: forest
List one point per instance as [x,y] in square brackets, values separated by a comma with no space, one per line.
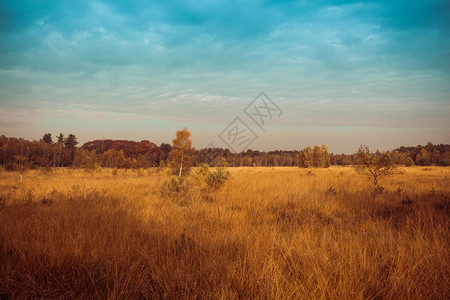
[64,151]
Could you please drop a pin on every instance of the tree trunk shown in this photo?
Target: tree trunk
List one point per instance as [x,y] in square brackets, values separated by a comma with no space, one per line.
[181,165]
[59,154]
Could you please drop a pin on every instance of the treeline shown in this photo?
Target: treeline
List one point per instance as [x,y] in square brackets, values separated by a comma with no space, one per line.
[42,153]
[428,155]
[118,154]
[63,152]
[219,156]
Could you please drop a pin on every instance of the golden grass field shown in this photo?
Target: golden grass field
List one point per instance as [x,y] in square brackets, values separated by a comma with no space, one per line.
[269,233]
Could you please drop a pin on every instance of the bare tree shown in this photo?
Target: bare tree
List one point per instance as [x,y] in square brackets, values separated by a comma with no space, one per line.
[22,164]
[375,166]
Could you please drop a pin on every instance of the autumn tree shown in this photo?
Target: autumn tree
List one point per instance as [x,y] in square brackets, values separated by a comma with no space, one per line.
[305,158]
[423,158]
[375,166]
[41,154]
[326,161]
[317,157]
[220,161]
[409,162]
[247,161]
[181,156]
[85,159]
[113,159]
[89,161]
[308,157]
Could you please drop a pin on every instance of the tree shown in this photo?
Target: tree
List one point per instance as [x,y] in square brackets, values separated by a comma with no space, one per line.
[317,155]
[325,156]
[165,150]
[181,155]
[409,162]
[375,166]
[70,142]
[220,161]
[445,159]
[61,140]
[423,158]
[87,160]
[22,164]
[113,159]
[47,138]
[305,158]
[247,161]
[321,158]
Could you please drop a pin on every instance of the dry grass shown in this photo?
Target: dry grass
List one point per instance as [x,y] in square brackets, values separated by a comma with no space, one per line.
[271,233]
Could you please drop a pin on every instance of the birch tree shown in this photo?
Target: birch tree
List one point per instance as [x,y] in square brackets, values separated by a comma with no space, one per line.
[181,156]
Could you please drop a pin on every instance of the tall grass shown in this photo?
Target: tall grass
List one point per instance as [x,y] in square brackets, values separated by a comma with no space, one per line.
[277,233]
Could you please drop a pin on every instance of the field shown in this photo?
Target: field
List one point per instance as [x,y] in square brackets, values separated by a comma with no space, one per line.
[269,233]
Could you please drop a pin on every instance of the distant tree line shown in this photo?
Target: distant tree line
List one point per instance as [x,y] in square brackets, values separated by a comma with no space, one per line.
[17,153]
[42,153]
[428,155]
[219,157]
[317,157]
[118,154]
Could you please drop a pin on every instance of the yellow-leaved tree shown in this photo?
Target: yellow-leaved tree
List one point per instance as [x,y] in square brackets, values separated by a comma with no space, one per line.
[181,156]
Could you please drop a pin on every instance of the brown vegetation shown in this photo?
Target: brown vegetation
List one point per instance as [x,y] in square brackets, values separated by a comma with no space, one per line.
[181,156]
[277,233]
[145,154]
[375,166]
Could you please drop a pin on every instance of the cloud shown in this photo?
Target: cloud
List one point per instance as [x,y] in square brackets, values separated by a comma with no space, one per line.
[332,62]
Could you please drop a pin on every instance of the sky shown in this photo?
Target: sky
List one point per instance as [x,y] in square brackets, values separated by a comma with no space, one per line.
[340,73]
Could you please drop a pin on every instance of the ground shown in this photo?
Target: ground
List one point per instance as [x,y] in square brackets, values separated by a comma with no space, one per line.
[277,233]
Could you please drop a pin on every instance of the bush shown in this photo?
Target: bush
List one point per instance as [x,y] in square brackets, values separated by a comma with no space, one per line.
[201,172]
[179,191]
[217,178]
[409,162]
[165,171]
[184,191]
[177,185]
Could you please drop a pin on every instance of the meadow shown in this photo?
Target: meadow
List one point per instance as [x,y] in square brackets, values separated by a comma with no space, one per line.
[269,233]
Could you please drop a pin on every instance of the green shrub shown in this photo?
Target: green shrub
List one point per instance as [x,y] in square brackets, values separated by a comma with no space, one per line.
[217,178]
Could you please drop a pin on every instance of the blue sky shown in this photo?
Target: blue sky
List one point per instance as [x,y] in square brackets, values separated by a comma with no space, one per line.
[344,73]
